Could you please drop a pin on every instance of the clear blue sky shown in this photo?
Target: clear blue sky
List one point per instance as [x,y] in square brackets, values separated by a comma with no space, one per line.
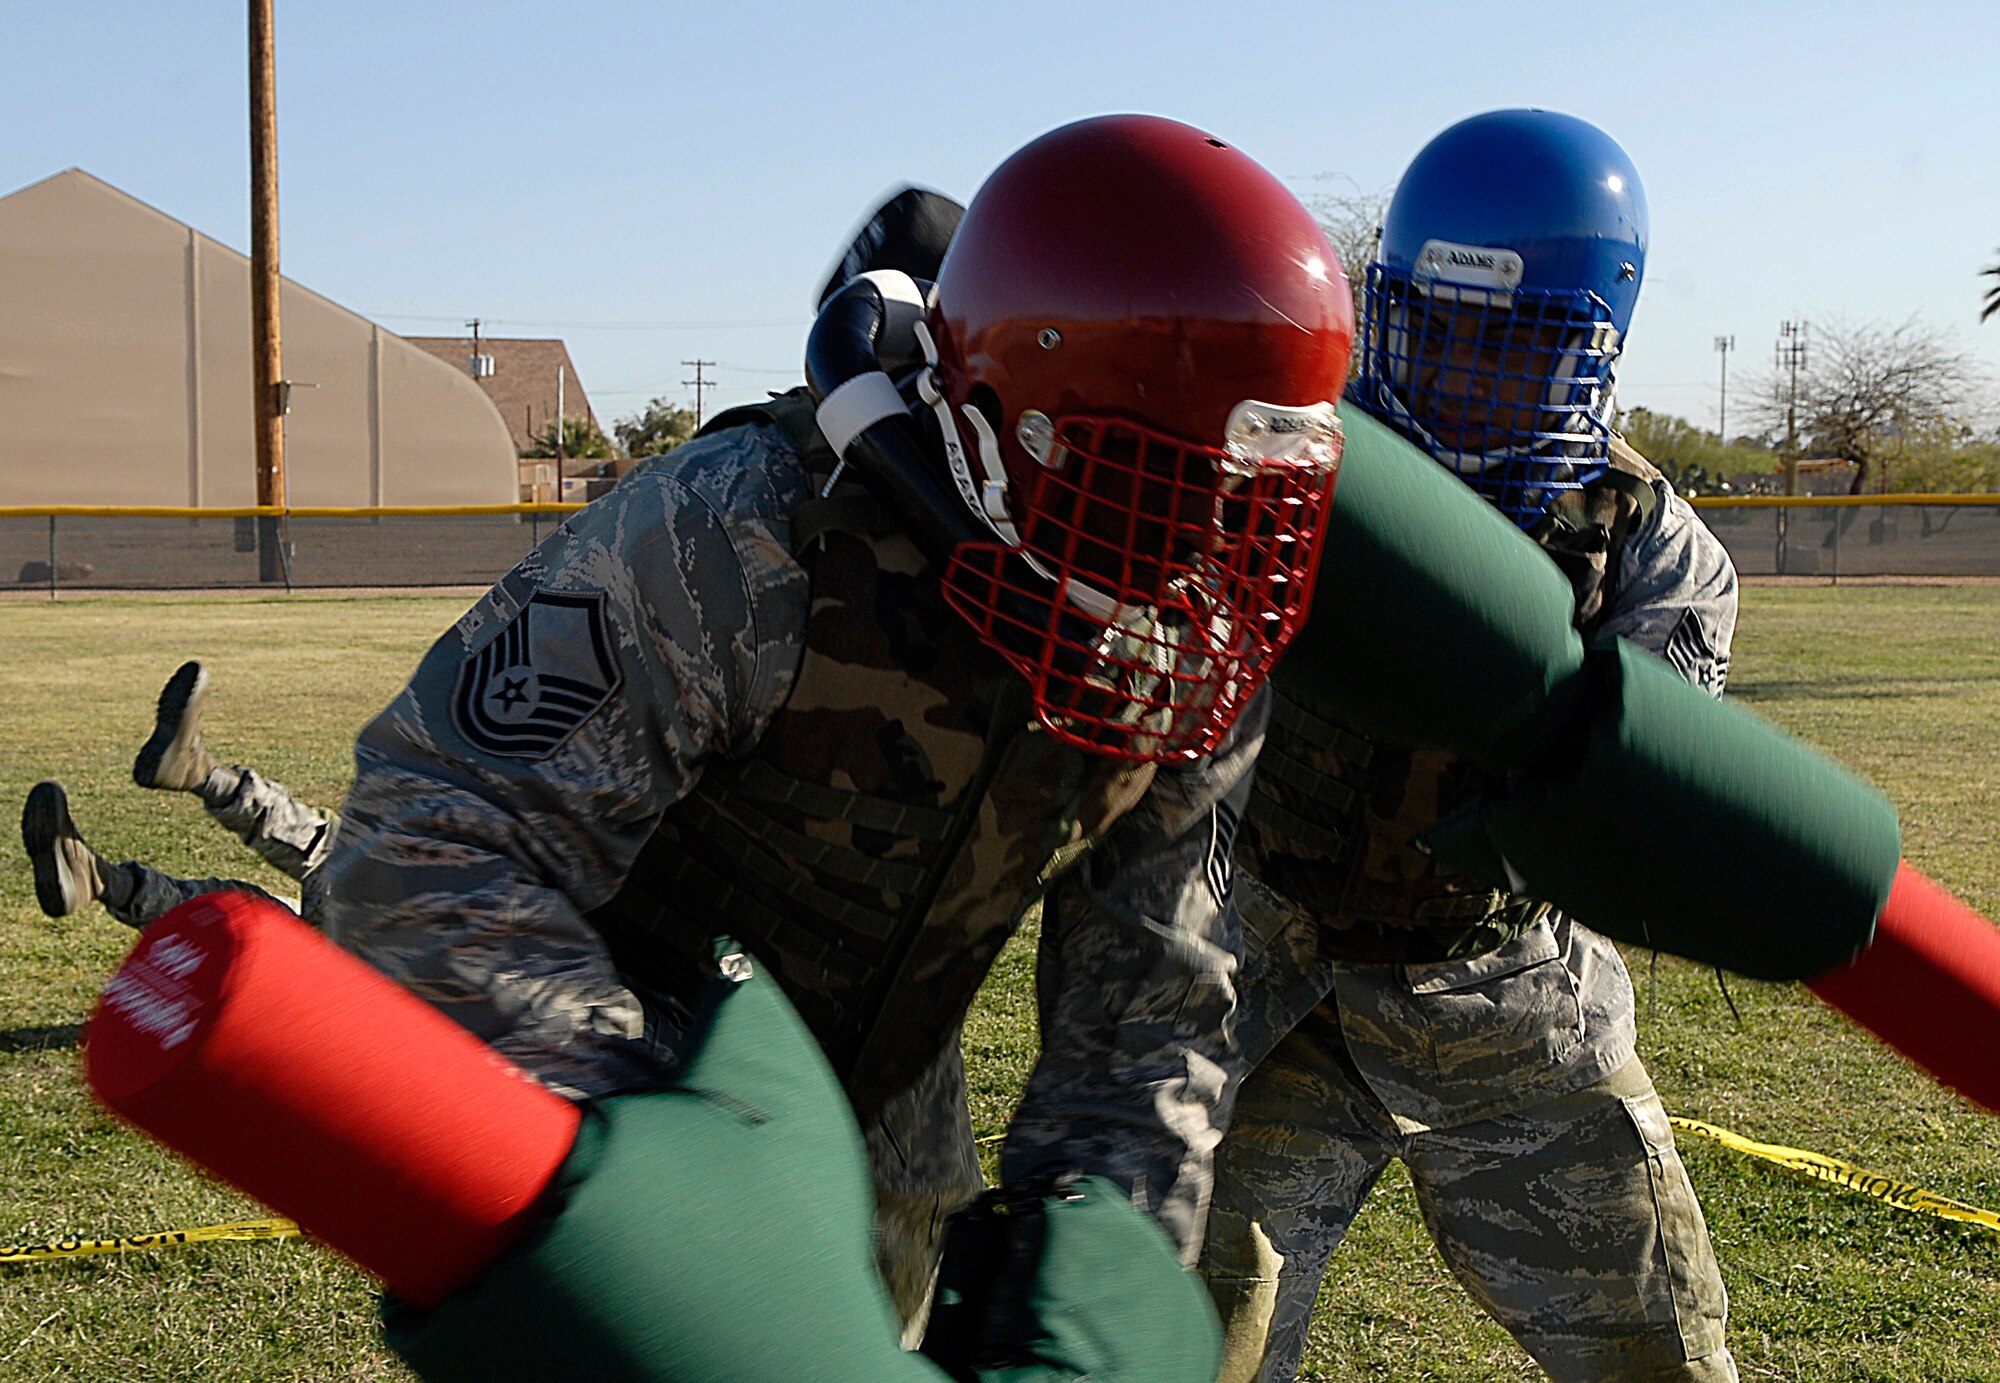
[655,182]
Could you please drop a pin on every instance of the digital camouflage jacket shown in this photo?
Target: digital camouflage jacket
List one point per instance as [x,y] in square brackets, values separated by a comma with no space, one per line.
[714,702]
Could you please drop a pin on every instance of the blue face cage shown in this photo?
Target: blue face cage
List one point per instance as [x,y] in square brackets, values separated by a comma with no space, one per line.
[1510,388]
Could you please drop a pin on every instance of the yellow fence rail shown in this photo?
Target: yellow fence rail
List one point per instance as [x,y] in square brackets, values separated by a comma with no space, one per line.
[266,511]
[1833,501]
[419,511]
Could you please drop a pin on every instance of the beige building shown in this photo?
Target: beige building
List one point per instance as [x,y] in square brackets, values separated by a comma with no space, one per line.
[125,375]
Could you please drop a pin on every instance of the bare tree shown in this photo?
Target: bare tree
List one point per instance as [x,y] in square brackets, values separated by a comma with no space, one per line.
[1352,220]
[1351,217]
[1868,390]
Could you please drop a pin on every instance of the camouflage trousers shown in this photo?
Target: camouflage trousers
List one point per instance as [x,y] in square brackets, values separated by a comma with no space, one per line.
[1570,1221]
[289,835]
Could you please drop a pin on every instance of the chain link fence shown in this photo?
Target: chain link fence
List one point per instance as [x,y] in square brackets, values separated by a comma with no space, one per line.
[110,549]
[1857,536]
[75,548]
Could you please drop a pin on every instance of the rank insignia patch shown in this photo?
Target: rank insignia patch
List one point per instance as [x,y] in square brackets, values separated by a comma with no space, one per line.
[1221,866]
[1689,652]
[539,678]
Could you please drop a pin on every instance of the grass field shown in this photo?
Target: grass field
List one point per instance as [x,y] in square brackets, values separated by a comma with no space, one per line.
[1901,683]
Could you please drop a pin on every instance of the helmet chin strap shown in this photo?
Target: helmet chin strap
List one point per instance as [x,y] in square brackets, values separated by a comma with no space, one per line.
[987,498]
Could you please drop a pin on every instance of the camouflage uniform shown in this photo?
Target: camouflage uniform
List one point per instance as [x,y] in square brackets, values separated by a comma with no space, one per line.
[718,700]
[1486,1040]
[289,835]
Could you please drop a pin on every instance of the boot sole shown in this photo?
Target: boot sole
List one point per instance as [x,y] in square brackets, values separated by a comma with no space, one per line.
[181,696]
[44,821]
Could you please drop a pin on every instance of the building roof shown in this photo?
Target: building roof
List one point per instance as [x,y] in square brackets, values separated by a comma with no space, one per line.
[125,374]
[523,383]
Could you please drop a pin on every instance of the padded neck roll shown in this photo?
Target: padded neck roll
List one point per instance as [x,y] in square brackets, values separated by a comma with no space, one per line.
[244,1040]
[1929,986]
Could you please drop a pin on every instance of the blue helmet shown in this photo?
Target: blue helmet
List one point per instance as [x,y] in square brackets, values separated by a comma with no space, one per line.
[1498,301]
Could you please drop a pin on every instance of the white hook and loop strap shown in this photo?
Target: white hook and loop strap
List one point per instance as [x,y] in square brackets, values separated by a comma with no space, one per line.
[856,406]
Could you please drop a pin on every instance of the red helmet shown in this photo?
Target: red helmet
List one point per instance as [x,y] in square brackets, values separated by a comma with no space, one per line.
[1140,337]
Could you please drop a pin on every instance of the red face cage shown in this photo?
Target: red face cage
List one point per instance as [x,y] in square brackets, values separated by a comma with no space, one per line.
[1180,573]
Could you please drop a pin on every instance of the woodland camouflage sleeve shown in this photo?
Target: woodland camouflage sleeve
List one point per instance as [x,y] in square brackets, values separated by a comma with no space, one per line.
[509,787]
[1676,593]
[1136,986]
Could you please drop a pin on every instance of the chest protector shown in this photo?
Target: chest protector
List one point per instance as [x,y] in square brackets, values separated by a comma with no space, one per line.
[879,844]
[1334,813]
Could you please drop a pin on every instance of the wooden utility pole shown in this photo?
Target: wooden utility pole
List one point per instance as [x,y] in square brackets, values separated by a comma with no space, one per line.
[267,362]
[700,383]
[1790,355]
[1723,345]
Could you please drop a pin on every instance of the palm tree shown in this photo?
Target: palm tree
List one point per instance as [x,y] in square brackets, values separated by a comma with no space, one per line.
[1993,293]
[580,440]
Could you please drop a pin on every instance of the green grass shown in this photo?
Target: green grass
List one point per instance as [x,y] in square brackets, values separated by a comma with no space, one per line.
[1901,683]
[294,679]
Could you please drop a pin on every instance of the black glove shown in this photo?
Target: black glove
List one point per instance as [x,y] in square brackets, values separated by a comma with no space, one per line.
[1061,1278]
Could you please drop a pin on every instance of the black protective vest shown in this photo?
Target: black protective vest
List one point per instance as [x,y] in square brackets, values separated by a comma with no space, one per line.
[880,842]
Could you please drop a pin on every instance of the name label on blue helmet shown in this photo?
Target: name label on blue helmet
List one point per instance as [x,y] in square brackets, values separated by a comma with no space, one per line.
[1469,266]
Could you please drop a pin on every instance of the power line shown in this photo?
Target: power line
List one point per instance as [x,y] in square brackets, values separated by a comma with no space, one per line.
[740,324]
[652,382]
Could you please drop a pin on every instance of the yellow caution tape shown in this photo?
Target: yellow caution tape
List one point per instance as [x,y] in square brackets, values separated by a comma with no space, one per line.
[74,1247]
[1900,1194]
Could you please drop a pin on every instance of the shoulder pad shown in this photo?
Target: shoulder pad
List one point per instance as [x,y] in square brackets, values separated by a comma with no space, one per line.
[791,412]
[1630,474]
[1625,458]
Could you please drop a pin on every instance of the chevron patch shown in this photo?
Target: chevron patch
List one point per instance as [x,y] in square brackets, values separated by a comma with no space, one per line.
[538,679]
[1690,654]
[1221,868]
